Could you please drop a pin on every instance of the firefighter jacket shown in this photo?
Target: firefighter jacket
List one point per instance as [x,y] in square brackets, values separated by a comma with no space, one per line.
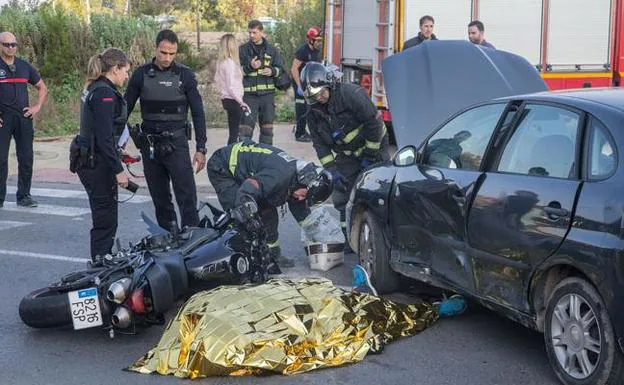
[103,116]
[262,171]
[348,125]
[253,82]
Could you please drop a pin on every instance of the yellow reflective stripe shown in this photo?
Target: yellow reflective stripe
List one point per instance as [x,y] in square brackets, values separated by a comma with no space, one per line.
[266,86]
[250,89]
[255,73]
[273,244]
[238,148]
[343,224]
[373,145]
[327,159]
[359,151]
[277,71]
[234,157]
[351,135]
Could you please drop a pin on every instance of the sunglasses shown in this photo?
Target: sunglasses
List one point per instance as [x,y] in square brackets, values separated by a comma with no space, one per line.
[10,45]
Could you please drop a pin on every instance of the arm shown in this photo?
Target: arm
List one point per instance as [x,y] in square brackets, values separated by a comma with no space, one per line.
[294,71]
[372,126]
[323,151]
[245,60]
[277,64]
[197,108]
[228,69]
[134,89]
[42,92]
[102,103]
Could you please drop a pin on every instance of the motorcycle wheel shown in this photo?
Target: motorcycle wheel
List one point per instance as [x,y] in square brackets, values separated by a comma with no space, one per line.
[49,307]
[45,308]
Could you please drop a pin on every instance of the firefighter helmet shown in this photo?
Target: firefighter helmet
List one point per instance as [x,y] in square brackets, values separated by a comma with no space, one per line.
[314,77]
[316,179]
[314,33]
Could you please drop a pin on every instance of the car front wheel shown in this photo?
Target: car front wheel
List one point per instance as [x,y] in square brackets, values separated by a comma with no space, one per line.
[580,341]
[374,256]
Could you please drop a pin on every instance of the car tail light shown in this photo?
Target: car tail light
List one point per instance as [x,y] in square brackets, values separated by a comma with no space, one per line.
[136,301]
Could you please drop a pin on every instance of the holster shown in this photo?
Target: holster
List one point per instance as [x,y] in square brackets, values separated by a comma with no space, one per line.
[80,157]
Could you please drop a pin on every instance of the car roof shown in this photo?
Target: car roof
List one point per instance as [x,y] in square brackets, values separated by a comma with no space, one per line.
[590,99]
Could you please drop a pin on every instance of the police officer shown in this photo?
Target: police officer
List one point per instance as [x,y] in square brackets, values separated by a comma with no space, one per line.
[16,117]
[347,133]
[273,178]
[261,64]
[93,153]
[167,89]
[310,51]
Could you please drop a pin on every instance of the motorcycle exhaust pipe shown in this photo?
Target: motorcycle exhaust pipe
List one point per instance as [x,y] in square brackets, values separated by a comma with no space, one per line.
[118,290]
[122,317]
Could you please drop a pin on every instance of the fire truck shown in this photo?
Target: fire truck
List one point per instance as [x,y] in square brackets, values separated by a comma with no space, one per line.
[572,43]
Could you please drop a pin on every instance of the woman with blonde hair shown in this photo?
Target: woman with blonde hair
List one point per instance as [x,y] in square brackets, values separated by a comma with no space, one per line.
[93,153]
[229,81]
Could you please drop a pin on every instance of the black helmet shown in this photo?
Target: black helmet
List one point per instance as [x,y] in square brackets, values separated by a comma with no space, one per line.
[316,179]
[314,77]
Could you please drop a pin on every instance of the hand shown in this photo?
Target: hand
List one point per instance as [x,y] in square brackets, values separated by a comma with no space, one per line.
[199,161]
[366,163]
[30,112]
[299,91]
[266,71]
[245,108]
[255,63]
[122,179]
[339,181]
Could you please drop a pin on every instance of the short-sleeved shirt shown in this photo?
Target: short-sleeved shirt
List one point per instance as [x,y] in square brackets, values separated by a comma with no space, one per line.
[306,54]
[14,84]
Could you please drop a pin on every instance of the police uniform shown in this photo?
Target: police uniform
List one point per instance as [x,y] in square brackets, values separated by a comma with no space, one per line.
[348,135]
[14,80]
[266,173]
[304,54]
[166,96]
[95,159]
[259,90]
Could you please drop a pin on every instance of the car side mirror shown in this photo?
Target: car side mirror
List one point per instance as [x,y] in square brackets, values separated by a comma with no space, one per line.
[407,156]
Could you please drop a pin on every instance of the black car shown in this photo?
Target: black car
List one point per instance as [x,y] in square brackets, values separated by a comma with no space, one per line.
[516,202]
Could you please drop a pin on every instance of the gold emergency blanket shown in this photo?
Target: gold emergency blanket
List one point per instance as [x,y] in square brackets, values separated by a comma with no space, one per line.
[282,326]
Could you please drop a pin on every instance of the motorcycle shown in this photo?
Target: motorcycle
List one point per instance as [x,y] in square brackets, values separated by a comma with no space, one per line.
[136,286]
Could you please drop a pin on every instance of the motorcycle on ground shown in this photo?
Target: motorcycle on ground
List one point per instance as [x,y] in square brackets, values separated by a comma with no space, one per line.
[136,286]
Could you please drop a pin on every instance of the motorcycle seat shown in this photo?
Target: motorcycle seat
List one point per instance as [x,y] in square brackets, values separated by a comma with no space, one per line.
[196,237]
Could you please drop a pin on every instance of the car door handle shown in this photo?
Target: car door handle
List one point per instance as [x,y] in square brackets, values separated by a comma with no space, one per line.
[555,212]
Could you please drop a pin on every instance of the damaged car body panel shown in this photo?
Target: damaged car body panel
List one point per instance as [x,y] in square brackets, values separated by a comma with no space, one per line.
[515,202]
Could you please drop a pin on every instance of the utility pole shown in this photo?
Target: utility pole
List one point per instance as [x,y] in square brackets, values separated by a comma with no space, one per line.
[88,8]
[197,16]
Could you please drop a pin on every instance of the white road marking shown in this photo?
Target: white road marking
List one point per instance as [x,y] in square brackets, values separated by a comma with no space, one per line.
[10,224]
[65,211]
[42,256]
[61,193]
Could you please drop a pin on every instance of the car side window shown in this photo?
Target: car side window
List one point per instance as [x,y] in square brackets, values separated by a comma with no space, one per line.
[543,144]
[602,159]
[461,143]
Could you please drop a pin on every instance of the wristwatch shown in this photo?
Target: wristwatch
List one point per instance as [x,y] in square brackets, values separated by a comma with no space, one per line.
[202,150]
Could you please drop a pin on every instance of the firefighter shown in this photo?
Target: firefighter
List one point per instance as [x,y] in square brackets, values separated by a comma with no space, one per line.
[93,153]
[262,65]
[167,89]
[346,130]
[310,51]
[273,178]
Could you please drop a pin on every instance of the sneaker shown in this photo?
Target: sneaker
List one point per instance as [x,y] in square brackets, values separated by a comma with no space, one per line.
[27,201]
[285,262]
[305,138]
[452,306]
[273,269]
[360,282]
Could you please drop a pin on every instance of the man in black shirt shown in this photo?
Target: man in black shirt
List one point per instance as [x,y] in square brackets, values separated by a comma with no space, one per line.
[310,51]
[167,89]
[426,32]
[16,117]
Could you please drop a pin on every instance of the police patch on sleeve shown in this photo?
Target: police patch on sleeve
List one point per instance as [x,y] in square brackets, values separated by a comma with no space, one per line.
[287,157]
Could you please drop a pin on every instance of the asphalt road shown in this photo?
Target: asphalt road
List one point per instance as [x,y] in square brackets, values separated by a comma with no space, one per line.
[37,246]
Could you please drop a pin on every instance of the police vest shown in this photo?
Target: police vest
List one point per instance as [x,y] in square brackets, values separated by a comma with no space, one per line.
[162,96]
[86,115]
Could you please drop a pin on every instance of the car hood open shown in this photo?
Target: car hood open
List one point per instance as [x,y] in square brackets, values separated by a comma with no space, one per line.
[428,83]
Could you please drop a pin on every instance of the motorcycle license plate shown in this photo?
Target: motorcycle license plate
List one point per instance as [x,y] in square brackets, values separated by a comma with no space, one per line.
[85,308]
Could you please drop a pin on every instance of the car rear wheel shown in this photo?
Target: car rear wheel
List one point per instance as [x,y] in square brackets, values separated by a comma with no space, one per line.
[580,341]
[374,256]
